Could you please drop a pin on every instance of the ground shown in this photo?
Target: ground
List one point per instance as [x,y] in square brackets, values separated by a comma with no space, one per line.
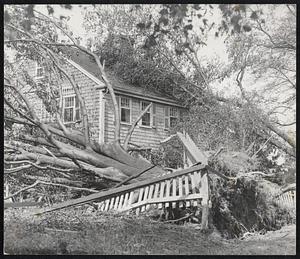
[74,231]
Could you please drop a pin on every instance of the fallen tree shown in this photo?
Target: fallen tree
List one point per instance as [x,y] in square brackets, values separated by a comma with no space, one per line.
[30,142]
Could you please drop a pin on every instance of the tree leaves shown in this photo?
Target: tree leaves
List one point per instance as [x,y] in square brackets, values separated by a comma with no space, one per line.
[163,20]
[50,9]
[246,28]
[150,42]
[163,12]
[235,19]
[141,25]
[66,6]
[26,24]
[148,25]
[196,6]
[188,27]
[178,51]
[29,11]
[254,15]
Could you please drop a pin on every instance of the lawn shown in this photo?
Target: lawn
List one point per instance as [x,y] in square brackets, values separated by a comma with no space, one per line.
[75,231]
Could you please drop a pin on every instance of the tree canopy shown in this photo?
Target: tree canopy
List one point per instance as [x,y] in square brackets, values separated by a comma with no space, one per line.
[158,47]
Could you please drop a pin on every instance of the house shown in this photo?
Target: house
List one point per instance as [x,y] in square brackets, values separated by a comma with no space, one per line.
[154,126]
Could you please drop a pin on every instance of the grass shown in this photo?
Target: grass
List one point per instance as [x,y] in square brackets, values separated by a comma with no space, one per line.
[107,233]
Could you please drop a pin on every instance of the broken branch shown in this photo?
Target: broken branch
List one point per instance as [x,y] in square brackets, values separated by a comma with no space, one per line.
[130,131]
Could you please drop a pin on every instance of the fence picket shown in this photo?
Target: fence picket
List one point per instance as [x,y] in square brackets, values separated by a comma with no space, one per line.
[186,189]
[106,205]
[195,176]
[156,192]
[161,194]
[174,192]
[168,187]
[150,195]
[121,202]
[111,203]
[139,200]
[125,200]
[116,203]
[145,198]
[180,191]
[101,205]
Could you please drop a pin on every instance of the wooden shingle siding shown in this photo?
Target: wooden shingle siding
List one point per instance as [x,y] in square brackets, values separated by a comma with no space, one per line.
[142,136]
[88,91]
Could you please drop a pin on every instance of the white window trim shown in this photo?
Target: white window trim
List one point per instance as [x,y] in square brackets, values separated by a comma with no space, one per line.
[37,66]
[130,107]
[74,107]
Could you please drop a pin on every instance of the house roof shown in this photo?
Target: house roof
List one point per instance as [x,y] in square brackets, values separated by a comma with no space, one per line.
[87,63]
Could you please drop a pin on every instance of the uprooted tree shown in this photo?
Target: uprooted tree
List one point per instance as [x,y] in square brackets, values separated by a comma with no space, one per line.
[51,145]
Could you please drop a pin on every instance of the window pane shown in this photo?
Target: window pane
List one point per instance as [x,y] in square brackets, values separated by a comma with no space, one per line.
[144,105]
[68,115]
[40,72]
[173,121]
[146,119]
[173,112]
[125,115]
[125,102]
[69,101]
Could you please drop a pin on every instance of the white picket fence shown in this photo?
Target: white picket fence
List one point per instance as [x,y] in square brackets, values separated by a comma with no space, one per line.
[188,190]
[286,200]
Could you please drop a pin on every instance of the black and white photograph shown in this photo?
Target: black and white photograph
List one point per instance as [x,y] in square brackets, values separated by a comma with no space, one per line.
[149,129]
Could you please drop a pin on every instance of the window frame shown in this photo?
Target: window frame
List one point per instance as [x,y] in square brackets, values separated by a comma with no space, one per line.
[74,107]
[168,116]
[150,111]
[130,109]
[37,67]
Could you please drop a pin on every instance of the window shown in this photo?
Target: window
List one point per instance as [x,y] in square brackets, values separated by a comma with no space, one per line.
[71,109]
[40,71]
[171,117]
[125,109]
[146,119]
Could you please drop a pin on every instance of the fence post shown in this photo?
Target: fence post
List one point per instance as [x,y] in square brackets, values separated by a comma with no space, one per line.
[205,203]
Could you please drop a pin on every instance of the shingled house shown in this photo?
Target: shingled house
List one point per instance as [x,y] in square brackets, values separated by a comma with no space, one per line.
[152,128]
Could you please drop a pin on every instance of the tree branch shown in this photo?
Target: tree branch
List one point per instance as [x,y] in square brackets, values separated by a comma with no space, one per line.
[285,125]
[276,45]
[130,131]
[49,183]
